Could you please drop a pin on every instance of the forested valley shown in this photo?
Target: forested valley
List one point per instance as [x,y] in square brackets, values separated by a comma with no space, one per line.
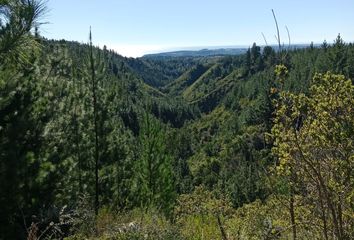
[94,145]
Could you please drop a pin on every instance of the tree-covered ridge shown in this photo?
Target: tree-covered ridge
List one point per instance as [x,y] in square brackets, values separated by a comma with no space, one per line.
[95,145]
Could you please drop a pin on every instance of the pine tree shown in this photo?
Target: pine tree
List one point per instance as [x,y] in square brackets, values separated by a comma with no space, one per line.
[20,116]
[154,179]
[95,120]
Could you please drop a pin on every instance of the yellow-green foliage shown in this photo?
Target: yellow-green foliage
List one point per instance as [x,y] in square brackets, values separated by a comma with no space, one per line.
[211,81]
[270,220]
[152,91]
[197,214]
[217,117]
[282,72]
[198,227]
[190,93]
[205,130]
[136,224]
[196,217]
[314,142]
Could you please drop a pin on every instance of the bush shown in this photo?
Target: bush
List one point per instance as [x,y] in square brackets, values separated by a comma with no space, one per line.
[130,225]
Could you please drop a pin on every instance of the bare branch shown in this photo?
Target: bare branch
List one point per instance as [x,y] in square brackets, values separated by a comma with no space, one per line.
[287,30]
[265,40]
[276,24]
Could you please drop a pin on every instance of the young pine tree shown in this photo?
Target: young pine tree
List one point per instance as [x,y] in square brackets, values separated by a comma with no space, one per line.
[154,179]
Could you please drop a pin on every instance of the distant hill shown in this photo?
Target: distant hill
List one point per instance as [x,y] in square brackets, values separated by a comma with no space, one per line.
[215,52]
[199,53]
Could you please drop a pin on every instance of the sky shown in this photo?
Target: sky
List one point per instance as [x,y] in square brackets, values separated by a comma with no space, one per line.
[136,27]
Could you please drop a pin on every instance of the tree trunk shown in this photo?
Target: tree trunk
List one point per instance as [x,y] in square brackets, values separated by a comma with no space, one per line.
[94,99]
[323,215]
[292,200]
[221,227]
[292,215]
[340,218]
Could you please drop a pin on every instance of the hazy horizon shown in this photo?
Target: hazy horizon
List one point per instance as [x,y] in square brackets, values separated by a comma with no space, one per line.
[135,28]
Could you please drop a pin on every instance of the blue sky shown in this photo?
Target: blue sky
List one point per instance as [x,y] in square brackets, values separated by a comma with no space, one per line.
[135,27]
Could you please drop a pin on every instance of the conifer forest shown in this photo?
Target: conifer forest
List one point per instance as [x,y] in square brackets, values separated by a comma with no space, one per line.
[94,145]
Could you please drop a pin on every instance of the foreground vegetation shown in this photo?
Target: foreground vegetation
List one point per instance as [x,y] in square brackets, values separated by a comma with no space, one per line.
[97,146]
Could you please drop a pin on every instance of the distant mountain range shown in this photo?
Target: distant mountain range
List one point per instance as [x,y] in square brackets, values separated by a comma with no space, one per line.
[214,51]
[200,53]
